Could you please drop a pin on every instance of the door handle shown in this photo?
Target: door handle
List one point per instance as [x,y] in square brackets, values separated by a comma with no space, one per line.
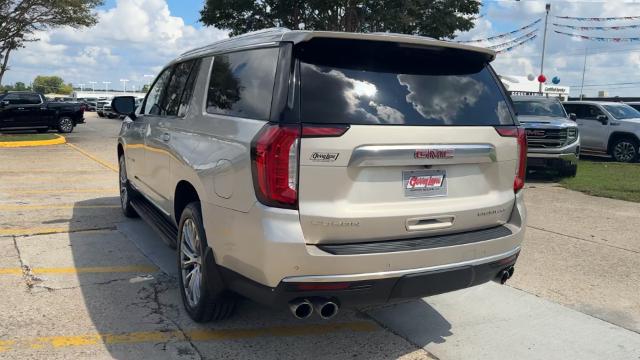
[166,137]
[420,224]
[20,108]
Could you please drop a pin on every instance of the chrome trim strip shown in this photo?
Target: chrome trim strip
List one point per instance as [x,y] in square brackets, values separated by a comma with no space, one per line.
[395,155]
[397,273]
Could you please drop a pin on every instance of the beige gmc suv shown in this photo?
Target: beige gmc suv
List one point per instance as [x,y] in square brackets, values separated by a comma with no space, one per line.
[316,170]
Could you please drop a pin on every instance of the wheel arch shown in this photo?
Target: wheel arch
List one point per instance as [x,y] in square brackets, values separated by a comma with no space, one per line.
[620,135]
[184,194]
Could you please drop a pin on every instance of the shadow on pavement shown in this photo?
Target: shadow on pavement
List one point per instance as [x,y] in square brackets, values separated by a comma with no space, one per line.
[143,308]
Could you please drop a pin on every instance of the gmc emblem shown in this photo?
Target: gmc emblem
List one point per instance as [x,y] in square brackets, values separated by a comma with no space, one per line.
[535,132]
[434,153]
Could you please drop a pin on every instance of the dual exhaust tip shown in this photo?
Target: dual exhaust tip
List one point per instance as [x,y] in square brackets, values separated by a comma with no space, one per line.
[303,308]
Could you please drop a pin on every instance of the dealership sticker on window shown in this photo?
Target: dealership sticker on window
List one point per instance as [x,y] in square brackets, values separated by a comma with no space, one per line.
[424,183]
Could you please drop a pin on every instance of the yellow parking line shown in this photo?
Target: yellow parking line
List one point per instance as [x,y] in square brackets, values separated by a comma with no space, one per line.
[83,270]
[61,191]
[57,342]
[54,206]
[94,158]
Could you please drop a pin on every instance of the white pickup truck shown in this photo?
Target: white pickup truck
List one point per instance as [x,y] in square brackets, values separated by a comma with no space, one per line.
[607,128]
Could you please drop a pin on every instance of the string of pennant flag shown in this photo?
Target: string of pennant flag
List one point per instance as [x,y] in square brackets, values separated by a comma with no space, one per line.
[516,45]
[502,36]
[514,41]
[598,38]
[598,18]
[602,28]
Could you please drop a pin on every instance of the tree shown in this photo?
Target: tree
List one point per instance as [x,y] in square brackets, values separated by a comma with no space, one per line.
[434,18]
[66,89]
[145,88]
[21,19]
[48,84]
[20,86]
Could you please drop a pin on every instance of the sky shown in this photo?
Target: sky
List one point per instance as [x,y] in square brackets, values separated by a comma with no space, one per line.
[135,38]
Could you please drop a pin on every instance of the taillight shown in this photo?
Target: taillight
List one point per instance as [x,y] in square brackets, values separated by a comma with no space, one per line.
[521,164]
[275,165]
[274,154]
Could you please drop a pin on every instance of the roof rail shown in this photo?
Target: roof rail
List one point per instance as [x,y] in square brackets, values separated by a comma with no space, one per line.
[275,30]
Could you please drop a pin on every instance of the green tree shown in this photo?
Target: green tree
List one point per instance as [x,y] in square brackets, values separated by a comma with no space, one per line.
[435,18]
[145,88]
[20,20]
[66,89]
[48,84]
[20,86]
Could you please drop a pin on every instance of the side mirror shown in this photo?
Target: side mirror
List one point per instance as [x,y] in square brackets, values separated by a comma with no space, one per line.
[573,117]
[124,105]
[603,119]
[4,103]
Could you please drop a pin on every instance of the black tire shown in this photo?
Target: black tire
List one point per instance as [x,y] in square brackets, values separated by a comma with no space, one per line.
[569,171]
[126,192]
[625,150]
[207,305]
[42,131]
[65,125]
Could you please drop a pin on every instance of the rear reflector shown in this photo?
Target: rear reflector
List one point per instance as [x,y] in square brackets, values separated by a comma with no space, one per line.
[324,130]
[521,164]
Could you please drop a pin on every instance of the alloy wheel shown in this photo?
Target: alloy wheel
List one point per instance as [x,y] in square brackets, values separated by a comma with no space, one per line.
[124,194]
[66,125]
[624,151]
[190,262]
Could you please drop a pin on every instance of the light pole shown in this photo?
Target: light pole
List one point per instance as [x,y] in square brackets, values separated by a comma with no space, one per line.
[584,70]
[81,87]
[544,45]
[124,84]
[106,87]
[93,87]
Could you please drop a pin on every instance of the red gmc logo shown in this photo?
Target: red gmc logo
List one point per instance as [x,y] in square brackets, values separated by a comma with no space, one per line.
[434,153]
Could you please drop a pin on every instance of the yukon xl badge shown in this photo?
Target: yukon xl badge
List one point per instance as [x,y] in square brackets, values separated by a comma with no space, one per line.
[434,153]
[324,157]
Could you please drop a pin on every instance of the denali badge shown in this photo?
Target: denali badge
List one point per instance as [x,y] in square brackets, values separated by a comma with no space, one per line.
[434,153]
[324,157]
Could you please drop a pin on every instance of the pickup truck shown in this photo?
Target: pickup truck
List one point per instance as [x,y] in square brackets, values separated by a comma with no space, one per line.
[608,128]
[29,110]
[553,139]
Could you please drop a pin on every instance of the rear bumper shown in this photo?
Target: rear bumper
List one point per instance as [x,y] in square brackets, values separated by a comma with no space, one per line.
[378,288]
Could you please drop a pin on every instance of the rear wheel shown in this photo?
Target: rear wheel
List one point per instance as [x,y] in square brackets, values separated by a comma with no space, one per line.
[201,303]
[65,125]
[126,193]
[625,150]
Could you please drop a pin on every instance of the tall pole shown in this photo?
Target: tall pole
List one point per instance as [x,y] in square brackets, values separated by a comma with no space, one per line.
[584,70]
[124,84]
[106,87]
[93,87]
[544,42]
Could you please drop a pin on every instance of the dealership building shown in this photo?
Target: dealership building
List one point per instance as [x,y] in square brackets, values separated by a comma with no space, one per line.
[521,85]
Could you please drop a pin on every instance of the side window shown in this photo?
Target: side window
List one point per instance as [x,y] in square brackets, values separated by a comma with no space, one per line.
[189,88]
[591,112]
[152,103]
[31,99]
[13,99]
[571,108]
[241,83]
[172,100]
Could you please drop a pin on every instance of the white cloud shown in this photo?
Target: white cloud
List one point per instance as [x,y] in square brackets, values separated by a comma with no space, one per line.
[134,38]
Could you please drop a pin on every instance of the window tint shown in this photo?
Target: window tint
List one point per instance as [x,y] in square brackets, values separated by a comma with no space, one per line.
[361,82]
[31,99]
[241,83]
[173,95]
[152,103]
[13,99]
[189,88]
[622,111]
[591,112]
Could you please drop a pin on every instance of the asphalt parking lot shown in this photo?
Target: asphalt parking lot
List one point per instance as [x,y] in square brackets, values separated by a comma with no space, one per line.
[78,280]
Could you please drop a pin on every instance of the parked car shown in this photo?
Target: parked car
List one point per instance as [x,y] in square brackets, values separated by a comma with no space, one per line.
[29,110]
[607,128]
[553,139]
[103,105]
[319,170]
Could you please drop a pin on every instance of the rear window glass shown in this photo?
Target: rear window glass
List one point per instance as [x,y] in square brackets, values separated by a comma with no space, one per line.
[548,108]
[358,82]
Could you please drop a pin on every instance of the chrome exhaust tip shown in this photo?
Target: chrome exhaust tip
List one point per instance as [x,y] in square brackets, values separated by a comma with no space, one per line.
[505,275]
[301,308]
[326,309]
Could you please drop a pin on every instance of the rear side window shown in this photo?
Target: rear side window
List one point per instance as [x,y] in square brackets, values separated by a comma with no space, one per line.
[370,83]
[241,83]
[31,99]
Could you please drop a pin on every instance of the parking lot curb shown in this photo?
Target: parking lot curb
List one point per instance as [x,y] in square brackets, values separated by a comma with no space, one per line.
[31,143]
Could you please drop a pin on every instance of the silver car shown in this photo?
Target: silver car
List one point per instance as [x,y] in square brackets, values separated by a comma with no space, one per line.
[319,170]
